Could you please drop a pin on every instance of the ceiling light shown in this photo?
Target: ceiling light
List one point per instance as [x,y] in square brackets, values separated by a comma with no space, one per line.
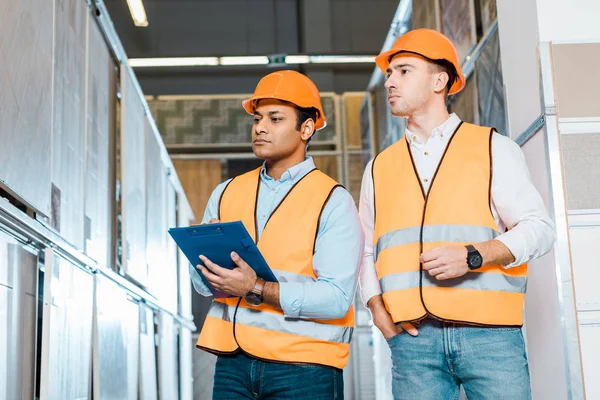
[138,13]
[247,60]
[341,59]
[173,62]
[252,60]
[297,59]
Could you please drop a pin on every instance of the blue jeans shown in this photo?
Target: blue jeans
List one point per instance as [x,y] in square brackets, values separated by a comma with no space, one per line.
[490,363]
[242,377]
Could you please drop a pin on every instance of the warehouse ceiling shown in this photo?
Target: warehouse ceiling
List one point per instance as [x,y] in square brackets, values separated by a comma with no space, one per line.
[216,28]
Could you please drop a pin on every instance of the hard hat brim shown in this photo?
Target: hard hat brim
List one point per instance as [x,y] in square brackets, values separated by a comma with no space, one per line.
[250,107]
[384,59]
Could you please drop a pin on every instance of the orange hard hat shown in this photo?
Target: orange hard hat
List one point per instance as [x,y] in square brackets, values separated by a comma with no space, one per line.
[429,44]
[290,86]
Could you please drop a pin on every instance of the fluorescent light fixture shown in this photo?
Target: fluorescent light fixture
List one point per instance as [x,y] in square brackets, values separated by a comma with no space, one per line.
[252,60]
[245,60]
[341,59]
[297,59]
[173,62]
[328,59]
[138,13]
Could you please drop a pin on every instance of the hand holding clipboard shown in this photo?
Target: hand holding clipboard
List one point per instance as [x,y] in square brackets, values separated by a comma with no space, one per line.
[216,242]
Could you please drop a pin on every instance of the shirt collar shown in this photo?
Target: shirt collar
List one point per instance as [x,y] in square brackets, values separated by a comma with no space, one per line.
[444,131]
[293,174]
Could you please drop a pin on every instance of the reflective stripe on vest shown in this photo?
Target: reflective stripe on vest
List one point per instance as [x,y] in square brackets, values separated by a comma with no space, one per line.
[456,211]
[280,323]
[476,281]
[434,233]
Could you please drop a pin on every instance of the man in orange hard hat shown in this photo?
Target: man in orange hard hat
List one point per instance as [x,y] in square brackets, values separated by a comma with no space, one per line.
[289,339]
[451,219]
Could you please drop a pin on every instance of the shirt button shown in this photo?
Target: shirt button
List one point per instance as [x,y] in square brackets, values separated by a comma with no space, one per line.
[425,180]
[442,135]
[414,137]
[426,153]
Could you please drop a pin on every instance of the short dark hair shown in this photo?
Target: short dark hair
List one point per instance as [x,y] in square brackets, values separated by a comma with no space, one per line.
[447,67]
[305,114]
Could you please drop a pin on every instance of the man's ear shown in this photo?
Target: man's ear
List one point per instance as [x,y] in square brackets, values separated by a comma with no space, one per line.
[441,81]
[308,129]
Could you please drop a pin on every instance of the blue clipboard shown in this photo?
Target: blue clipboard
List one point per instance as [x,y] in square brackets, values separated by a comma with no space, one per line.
[216,242]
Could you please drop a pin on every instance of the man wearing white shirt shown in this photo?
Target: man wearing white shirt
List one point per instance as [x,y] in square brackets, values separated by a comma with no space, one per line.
[451,218]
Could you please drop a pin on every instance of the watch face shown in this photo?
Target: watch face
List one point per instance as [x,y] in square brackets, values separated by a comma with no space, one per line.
[475,261]
[254,299]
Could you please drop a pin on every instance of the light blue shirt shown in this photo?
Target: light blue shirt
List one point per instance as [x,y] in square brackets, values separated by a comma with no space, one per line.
[338,249]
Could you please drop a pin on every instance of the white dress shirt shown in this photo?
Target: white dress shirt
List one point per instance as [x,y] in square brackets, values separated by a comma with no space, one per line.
[516,204]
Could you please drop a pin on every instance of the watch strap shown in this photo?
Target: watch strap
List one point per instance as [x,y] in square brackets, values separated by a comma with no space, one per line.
[259,286]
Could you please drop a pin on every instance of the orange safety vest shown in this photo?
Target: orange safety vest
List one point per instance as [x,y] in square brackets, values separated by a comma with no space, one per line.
[456,210]
[287,243]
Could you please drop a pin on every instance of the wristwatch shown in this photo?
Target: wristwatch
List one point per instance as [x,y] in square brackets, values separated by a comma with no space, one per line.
[474,259]
[255,296]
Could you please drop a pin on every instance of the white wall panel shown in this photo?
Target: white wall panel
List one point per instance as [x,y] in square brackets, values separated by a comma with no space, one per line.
[131,323]
[186,379]
[18,319]
[574,20]
[116,343]
[133,181]
[148,384]
[382,358]
[162,269]
[590,351]
[26,99]
[68,123]
[519,63]
[543,307]
[67,330]
[98,110]
[6,364]
[359,374]
[584,238]
[586,265]
[203,366]
[176,295]
[184,216]
[168,370]
[537,162]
